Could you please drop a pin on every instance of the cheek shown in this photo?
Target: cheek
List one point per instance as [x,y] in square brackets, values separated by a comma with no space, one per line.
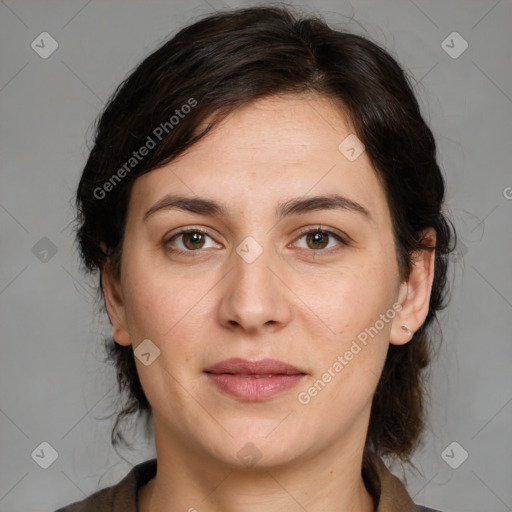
[347,301]
[164,311]
[154,302]
[167,307]
[348,366]
[357,307]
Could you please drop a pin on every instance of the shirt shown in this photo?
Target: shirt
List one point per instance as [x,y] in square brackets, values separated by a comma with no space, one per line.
[388,492]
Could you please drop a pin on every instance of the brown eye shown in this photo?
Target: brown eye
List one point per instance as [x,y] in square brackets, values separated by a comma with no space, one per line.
[193,240]
[319,240]
[190,240]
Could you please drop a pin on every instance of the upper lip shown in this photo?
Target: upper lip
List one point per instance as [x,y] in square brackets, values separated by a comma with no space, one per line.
[263,367]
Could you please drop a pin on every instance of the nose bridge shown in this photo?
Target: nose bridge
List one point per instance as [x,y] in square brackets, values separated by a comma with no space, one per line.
[255,258]
[252,275]
[252,296]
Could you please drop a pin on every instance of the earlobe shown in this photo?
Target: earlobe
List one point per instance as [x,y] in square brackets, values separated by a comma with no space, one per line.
[414,294]
[114,302]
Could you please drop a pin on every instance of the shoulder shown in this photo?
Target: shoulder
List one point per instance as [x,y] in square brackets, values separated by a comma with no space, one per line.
[121,497]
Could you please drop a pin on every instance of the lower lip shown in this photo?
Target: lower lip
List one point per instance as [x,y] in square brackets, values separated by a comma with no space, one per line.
[253,389]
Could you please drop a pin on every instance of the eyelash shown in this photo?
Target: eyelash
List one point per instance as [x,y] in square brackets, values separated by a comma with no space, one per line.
[318,229]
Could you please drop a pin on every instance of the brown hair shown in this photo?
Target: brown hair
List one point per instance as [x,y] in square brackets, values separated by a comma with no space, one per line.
[226,60]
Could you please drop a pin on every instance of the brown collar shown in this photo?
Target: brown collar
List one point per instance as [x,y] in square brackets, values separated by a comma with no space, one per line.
[388,491]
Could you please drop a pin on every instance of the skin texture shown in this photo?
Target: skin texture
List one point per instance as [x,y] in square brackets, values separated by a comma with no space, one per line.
[301,301]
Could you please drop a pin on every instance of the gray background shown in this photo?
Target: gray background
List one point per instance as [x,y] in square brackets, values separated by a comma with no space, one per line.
[53,385]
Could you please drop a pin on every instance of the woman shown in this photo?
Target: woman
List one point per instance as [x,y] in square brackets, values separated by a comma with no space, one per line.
[264,207]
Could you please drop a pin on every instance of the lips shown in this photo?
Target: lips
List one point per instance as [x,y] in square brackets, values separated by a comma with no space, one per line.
[238,366]
[254,380]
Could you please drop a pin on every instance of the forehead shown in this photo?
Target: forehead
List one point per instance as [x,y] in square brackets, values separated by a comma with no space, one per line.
[289,125]
[266,152]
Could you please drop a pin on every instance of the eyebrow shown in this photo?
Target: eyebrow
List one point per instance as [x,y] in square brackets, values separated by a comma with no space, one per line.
[297,206]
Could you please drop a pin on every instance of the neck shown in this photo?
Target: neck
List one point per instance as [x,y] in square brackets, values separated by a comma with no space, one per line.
[331,480]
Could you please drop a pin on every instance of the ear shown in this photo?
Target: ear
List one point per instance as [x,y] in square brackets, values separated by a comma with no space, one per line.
[414,294]
[114,303]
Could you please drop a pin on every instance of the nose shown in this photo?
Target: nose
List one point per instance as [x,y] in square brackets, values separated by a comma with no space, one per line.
[254,295]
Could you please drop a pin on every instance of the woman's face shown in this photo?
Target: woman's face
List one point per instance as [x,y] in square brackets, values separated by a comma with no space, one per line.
[249,283]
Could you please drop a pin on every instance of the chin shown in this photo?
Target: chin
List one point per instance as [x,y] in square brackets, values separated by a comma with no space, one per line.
[260,447]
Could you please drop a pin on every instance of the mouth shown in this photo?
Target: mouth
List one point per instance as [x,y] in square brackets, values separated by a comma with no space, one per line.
[254,380]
